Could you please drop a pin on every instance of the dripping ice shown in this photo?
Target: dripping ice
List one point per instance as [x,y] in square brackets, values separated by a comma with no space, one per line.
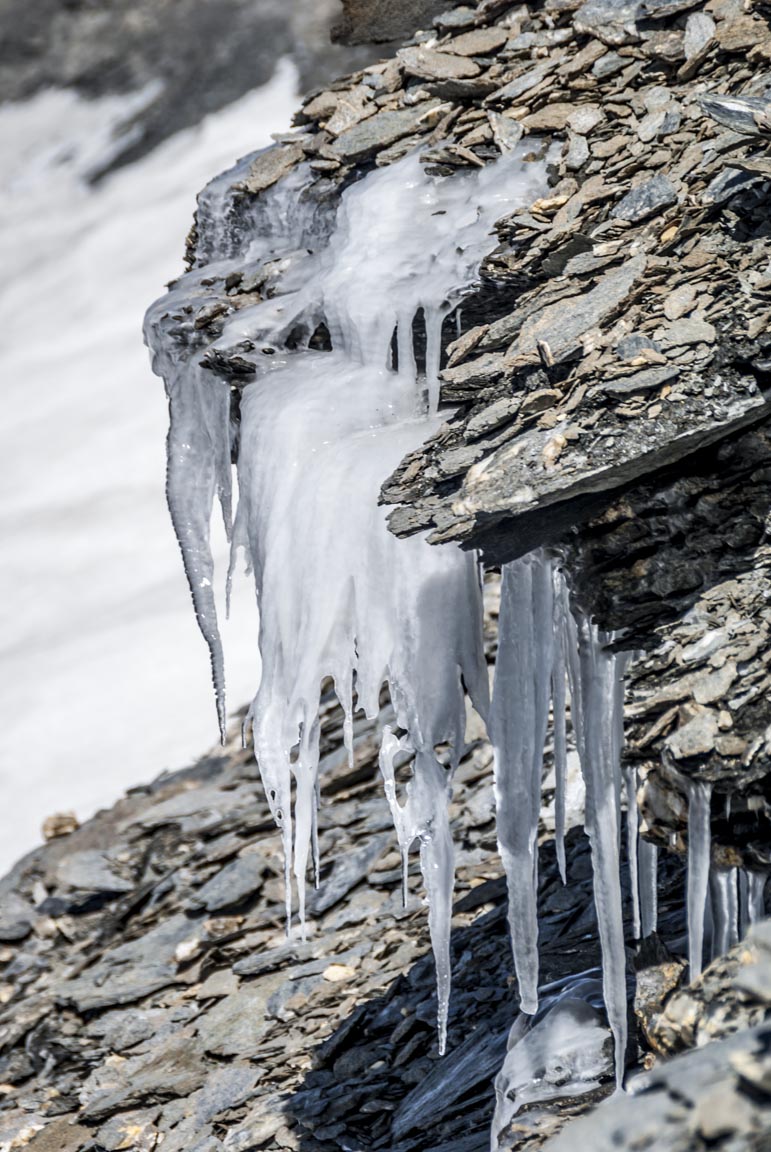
[338,595]
[340,598]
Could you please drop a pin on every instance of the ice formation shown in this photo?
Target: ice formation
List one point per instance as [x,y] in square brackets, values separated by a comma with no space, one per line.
[341,599]
[563,1050]
[699,798]
[338,595]
[541,634]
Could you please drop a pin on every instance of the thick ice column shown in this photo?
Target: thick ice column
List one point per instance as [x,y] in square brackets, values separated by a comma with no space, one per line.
[596,695]
[519,716]
[648,859]
[699,796]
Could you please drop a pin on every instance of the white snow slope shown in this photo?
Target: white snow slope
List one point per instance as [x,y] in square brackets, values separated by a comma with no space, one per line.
[105,677]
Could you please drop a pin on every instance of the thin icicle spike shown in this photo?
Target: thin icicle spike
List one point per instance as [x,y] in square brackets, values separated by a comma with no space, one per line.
[559,710]
[647,872]
[632,840]
[699,796]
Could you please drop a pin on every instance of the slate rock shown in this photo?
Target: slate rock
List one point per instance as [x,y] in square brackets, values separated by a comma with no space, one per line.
[17,917]
[646,200]
[429,64]
[611,21]
[561,328]
[381,130]
[91,871]
[174,1068]
[480,42]
[269,167]
[235,882]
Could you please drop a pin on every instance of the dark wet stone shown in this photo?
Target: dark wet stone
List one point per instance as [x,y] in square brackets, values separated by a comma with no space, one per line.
[647,199]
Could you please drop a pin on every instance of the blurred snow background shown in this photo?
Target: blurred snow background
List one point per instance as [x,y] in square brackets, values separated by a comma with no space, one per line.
[105,675]
[105,678]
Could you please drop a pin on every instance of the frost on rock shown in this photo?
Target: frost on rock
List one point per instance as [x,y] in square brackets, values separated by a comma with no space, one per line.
[339,596]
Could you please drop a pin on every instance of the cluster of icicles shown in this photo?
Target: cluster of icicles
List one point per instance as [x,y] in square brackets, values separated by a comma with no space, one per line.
[340,597]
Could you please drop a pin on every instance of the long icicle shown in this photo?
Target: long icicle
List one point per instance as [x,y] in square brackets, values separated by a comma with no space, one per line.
[519,717]
[594,676]
[559,712]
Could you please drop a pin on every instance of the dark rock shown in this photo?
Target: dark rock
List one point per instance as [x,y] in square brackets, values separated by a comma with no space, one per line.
[646,200]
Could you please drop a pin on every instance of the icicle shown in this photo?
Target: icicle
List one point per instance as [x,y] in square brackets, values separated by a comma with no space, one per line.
[756,890]
[648,857]
[724,899]
[595,696]
[559,710]
[699,795]
[630,784]
[198,467]
[424,817]
[518,721]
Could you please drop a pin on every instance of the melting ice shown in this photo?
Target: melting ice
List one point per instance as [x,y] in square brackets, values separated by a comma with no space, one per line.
[338,595]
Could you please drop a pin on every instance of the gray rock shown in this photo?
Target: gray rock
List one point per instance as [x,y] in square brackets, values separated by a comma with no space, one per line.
[611,21]
[699,30]
[17,917]
[644,381]
[380,130]
[347,871]
[749,115]
[239,879]
[91,871]
[236,1024]
[561,328]
[647,199]
[173,1068]
[428,64]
